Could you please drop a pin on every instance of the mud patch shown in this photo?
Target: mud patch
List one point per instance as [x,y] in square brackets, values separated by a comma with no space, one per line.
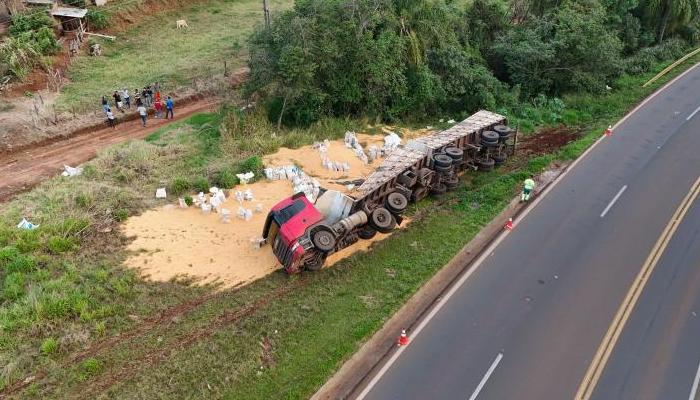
[549,140]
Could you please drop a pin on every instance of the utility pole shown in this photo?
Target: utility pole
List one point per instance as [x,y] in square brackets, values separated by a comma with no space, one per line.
[266,13]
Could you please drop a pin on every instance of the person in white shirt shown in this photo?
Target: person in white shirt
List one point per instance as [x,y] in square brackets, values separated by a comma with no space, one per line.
[110,119]
[142,112]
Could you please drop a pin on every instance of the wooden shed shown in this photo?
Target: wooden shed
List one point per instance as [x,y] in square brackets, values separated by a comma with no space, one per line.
[69,18]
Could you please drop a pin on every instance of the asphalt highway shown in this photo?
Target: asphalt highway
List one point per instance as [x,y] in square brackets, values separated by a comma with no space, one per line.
[596,292]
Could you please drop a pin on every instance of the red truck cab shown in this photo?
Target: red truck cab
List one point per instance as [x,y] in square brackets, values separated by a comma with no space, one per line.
[286,230]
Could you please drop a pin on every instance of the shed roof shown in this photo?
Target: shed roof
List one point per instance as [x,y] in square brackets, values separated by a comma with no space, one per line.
[69,12]
[39,2]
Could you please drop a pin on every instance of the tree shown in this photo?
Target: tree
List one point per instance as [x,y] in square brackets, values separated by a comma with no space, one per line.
[668,15]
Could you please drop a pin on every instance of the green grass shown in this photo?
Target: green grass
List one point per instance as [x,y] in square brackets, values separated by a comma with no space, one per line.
[64,281]
[154,50]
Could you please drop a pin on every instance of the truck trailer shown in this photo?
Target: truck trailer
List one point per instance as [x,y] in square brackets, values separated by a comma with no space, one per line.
[302,234]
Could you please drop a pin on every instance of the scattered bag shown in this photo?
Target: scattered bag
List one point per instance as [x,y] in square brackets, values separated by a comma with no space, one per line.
[451,121]
[24,224]
[259,208]
[70,171]
[181,202]
[160,193]
[248,195]
[225,216]
[245,178]
[206,208]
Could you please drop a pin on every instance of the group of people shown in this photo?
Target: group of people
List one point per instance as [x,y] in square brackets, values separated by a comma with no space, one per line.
[148,97]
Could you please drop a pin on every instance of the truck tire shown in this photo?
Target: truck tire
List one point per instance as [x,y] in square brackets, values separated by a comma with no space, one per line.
[382,220]
[502,130]
[367,232]
[455,153]
[443,170]
[396,203]
[441,160]
[499,157]
[438,190]
[485,164]
[490,136]
[488,144]
[451,182]
[424,176]
[323,240]
[419,194]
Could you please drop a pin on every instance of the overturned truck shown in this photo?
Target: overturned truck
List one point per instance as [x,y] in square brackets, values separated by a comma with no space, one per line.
[303,234]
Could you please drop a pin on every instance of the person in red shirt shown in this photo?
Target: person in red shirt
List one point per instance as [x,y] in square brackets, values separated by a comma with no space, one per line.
[159,108]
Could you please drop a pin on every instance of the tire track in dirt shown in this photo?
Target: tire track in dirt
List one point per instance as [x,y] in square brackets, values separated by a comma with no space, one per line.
[182,342]
[22,170]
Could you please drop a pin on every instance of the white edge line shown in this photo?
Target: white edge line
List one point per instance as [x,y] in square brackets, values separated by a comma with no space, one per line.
[693,114]
[499,239]
[486,377]
[694,390]
[617,196]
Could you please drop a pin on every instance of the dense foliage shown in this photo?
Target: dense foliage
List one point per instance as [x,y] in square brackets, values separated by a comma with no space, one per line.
[391,59]
[31,37]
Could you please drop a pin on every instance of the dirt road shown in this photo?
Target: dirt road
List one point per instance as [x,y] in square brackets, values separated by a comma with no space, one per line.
[24,169]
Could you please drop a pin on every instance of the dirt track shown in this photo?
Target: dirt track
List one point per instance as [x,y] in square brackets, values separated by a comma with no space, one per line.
[24,169]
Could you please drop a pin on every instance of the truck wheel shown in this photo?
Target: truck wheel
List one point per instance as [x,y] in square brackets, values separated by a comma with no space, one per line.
[488,144]
[499,158]
[323,240]
[438,190]
[367,232]
[451,183]
[485,164]
[382,220]
[502,130]
[489,136]
[396,203]
[455,153]
[442,170]
[441,160]
[424,176]
[418,194]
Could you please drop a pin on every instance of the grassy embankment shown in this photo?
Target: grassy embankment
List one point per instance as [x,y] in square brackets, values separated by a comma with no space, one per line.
[186,60]
[64,287]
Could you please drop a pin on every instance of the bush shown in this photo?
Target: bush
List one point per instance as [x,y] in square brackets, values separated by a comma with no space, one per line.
[189,201]
[58,244]
[253,164]
[49,347]
[14,286]
[120,215]
[91,366]
[29,21]
[97,18]
[179,186]
[11,260]
[75,3]
[201,185]
[226,179]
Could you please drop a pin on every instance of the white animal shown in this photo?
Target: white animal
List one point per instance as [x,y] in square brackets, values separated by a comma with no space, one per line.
[181,23]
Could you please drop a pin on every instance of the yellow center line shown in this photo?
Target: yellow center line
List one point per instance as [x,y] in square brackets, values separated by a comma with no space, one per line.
[608,344]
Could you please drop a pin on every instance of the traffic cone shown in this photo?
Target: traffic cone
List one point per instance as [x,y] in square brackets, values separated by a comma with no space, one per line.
[509,225]
[608,131]
[403,339]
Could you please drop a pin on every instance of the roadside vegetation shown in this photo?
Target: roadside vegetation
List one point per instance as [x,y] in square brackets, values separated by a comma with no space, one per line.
[79,324]
[30,43]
